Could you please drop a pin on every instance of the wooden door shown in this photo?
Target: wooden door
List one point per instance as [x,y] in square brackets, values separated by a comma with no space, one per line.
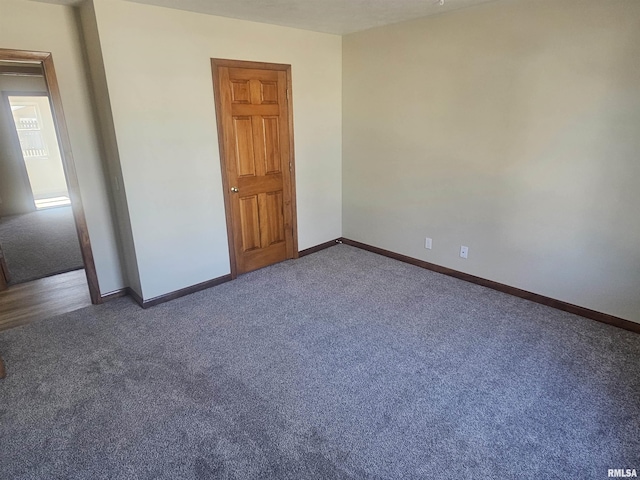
[255,133]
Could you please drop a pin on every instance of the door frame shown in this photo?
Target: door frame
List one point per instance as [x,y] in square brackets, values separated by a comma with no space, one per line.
[45,59]
[216,63]
[4,272]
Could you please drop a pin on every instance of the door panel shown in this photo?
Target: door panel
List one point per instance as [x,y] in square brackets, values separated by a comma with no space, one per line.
[243,133]
[240,91]
[275,228]
[250,221]
[271,142]
[255,135]
[269,92]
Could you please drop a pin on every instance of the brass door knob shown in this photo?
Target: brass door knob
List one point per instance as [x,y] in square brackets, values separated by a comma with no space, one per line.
[234,189]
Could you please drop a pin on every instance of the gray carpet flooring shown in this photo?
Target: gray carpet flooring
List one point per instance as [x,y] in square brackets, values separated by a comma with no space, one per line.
[40,244]
[342,364]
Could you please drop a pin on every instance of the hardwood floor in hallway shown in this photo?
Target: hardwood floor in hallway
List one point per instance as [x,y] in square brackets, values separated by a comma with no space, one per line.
[26,302]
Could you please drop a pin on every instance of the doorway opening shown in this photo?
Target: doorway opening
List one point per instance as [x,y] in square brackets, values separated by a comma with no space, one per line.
[36,132]
[45,249]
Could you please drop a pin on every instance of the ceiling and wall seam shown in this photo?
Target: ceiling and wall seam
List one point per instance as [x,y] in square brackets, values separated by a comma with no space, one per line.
[338,17]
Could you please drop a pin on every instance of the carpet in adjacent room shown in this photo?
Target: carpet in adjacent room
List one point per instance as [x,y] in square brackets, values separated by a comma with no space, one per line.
[40,244]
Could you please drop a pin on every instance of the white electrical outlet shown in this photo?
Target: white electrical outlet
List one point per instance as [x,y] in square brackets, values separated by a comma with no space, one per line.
[428,243]
[464,251]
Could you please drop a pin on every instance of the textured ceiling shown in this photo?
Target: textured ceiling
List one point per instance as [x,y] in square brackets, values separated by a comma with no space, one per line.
[330,16]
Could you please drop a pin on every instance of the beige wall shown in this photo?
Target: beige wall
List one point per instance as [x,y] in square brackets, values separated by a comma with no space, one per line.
[108,142]
[512,128]
[157,66]
[53,28]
